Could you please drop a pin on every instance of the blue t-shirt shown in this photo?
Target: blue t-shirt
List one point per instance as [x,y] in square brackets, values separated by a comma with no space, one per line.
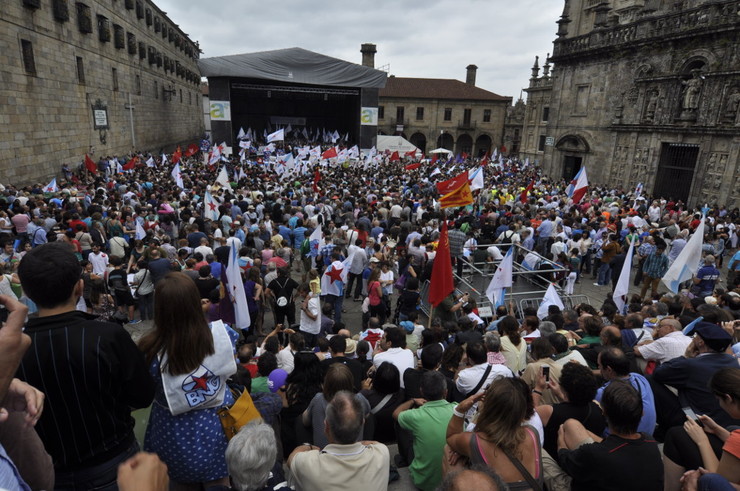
[649,418]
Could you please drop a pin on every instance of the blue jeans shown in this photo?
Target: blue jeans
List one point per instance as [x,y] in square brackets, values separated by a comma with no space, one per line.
[336,301]
[604,273]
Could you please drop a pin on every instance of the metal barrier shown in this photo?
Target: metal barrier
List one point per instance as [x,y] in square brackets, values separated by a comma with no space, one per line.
[477,276]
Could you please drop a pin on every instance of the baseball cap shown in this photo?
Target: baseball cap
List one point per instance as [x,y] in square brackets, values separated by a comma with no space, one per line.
[374,260]
[276,379]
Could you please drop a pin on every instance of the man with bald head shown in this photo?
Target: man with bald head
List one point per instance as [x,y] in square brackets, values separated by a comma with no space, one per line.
[669,342]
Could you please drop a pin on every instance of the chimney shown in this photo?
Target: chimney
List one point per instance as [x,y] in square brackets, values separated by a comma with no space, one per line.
[368,54]
[470,79]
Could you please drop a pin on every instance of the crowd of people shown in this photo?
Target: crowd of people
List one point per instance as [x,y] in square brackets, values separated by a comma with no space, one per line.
[577,399]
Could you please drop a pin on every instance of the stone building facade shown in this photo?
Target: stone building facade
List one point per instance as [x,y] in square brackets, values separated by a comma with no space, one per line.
[100,77]
[448,113]
[645,91]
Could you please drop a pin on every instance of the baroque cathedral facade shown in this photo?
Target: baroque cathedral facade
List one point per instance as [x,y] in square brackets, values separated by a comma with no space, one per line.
[642,91]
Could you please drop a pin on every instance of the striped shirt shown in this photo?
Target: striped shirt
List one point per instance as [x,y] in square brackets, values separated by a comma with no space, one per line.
[457,240]
[655,265]
[92,374]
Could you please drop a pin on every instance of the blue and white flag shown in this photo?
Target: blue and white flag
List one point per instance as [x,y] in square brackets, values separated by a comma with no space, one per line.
[279,135]
[177,176]
[236,290]
[52,186]
[686,264]
[623,284]
[210,207]
[140,233]
[502,279]
[476,179]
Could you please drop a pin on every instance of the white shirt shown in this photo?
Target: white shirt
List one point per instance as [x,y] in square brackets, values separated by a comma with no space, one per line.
[468,378]
[285,359]
[401,358]
[573,355]
[665,348]
[99,262]
[308,325]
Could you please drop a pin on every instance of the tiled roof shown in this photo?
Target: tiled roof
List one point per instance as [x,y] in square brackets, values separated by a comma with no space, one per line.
[436,88]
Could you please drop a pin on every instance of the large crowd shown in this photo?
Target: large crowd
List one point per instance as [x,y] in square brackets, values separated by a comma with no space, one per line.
[245,281]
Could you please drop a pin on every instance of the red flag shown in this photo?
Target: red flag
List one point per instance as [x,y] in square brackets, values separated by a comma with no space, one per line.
[316,179]
[523,196]
[435,157]
[413,166]
[192,150]
[90,165]
[130,164]
[484,161]
[410,153]
[503,148]
[329,154]
[395,157]
[450,185]
[464,155]
[176,157]
[441,283]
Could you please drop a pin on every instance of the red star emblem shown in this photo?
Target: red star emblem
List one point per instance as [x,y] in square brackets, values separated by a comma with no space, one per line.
[201,382]
[212,206]
[335,274]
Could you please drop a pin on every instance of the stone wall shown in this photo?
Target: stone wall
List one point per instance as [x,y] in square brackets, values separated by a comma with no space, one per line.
[46,110]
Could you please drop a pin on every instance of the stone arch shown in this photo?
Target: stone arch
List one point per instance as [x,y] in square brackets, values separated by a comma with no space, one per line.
[644,70]
[446,141]
[573,143]
[464,144]
[483,145]
[699,60]
[419,141]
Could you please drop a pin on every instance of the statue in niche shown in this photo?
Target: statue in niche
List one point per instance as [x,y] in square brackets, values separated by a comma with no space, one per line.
[652,105]
[712,162]
[692,91]
[731,106]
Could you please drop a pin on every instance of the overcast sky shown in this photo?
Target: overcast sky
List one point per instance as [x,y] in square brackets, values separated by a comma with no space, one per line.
[430,39]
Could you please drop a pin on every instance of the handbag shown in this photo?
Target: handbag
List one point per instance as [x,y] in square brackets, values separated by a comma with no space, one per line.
[400,283]
[238,414]
[136,292]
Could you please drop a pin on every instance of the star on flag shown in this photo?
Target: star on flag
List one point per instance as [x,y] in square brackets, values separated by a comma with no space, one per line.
[335,274]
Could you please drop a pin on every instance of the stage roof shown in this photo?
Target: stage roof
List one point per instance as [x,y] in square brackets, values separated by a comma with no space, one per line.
[293,65]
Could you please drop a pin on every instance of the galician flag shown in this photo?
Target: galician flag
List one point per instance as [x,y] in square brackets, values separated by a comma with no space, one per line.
[476,180]
[277,136]
[623,284]
[236,290]
[210,207]
[140,233]
[578,186]
[52,186]
[502,279]
[687,263]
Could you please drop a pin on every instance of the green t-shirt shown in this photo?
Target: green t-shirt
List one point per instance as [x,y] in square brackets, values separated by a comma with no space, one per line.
[428,424]
[259,384]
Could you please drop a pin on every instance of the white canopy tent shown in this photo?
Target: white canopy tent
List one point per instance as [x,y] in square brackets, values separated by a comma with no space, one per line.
[394,144]
[441,150]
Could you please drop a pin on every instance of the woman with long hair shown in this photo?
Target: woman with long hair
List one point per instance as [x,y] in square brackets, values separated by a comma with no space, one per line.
[303,383]
[500,439]
[513,346]
[187,355]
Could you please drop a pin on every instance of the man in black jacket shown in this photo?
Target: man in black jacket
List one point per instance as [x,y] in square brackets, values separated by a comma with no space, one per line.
[91,372]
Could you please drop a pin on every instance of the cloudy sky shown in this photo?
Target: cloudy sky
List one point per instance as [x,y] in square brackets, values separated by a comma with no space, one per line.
[433,39]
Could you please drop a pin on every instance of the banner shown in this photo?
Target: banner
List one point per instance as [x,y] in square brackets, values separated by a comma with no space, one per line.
[220,110]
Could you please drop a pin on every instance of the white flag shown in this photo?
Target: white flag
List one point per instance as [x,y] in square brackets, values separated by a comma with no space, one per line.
[551,298]
[164,159]
[177,176]
[223,177]
[687,263]
[150,162]
[476,181]
[215,155]
[279,135]
[236,290]
[242,174]
[502,279]
[435,172]
[241,134]
[244,144]
[140,234]
[623,284]
[52,186]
